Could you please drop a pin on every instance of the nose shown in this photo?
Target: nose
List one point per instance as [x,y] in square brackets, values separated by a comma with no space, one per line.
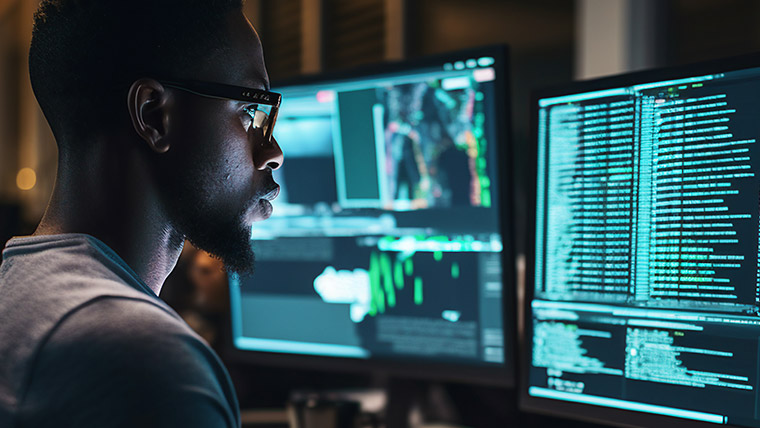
[268,155]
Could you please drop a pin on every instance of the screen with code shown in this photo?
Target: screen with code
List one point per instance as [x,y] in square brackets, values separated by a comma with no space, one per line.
[385,242]
[647,275]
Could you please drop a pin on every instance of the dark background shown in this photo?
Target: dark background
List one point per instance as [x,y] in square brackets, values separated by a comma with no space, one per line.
[544,39]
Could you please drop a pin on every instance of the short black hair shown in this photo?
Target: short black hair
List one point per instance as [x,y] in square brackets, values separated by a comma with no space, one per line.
[85,54]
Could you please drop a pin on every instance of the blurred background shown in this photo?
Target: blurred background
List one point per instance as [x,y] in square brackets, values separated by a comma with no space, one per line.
[551,42]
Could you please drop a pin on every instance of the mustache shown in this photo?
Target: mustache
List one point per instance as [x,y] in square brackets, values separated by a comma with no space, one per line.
[269,190]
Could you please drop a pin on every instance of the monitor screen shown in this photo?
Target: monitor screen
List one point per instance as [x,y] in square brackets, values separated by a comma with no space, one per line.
[385,242]
[647,276]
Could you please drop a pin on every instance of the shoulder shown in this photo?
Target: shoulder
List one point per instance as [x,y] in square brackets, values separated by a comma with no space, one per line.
[124,326]
[129,357]
[133,335]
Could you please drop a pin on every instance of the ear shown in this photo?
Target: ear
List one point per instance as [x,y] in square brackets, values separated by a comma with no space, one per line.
[147,102]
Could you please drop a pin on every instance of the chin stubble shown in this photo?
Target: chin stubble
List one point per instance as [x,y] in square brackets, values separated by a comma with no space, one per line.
[228,240]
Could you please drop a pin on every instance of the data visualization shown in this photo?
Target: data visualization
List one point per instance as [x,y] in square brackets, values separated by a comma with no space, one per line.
[385,241]
[647,275]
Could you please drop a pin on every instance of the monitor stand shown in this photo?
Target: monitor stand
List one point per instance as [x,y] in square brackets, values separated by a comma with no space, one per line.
[396,402]
[389,402]
[404,397]
[412,402]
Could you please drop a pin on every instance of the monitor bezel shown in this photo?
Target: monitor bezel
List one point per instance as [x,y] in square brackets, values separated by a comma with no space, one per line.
[501,376]
[571,410]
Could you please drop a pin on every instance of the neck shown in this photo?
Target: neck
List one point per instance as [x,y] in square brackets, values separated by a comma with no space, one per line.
[113,199]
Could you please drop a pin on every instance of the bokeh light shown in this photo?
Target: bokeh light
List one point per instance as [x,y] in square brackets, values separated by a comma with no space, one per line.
[26,179]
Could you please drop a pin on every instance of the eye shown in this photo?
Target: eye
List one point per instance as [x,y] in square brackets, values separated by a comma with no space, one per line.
[248,116]
[257,116]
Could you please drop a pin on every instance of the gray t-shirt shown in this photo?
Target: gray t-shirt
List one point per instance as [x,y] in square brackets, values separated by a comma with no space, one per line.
[85,343]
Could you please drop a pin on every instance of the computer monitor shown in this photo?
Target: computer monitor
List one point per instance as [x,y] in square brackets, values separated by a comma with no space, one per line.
[644,306]
[387,247]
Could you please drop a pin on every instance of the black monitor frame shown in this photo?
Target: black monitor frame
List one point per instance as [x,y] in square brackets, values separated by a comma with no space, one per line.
[587,412]
[502,376]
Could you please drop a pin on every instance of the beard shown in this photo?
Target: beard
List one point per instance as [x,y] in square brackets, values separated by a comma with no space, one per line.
[224,236]
[215,215]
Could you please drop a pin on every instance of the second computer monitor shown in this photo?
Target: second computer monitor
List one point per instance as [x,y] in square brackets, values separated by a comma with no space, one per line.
[386,241]
[644,308]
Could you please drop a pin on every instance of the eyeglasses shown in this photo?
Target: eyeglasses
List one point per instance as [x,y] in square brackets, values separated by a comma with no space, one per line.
[264,104]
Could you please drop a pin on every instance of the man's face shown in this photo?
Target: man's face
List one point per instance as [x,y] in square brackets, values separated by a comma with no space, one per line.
[217,175]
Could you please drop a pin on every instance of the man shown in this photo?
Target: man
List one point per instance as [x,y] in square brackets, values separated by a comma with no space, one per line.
[163,121]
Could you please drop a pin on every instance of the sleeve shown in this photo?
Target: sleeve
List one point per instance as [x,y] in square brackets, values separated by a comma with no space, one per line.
[127,363]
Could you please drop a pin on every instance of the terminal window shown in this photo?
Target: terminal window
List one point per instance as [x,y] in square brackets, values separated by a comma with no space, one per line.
[647,274]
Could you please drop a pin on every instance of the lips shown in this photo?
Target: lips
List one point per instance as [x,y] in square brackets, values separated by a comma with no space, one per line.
[272,193]
[264,203]
[266,208]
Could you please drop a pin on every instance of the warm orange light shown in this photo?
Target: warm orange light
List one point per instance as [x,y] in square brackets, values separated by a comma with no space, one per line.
[26,179]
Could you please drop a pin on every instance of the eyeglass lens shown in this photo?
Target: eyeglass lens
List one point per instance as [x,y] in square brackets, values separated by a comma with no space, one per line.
[263,117]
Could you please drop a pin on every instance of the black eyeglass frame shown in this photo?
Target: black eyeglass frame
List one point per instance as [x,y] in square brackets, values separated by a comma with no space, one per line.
[231,92]
[222,91]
